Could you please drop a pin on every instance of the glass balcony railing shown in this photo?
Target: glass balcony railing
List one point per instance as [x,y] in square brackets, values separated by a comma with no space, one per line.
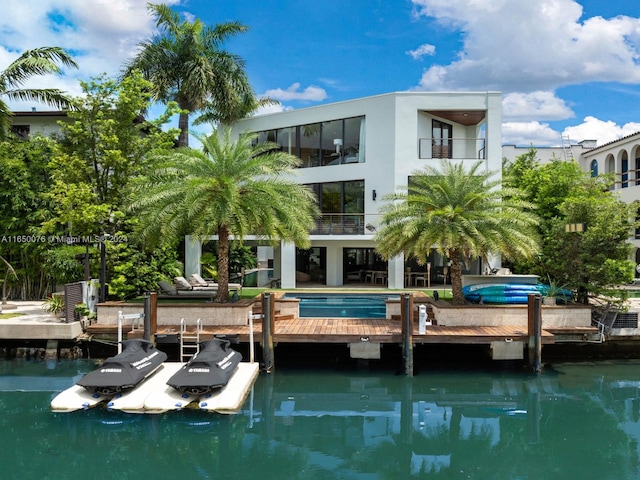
[454,148]
[345,224]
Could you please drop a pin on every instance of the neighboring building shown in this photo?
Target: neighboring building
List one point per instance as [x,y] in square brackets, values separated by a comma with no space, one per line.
[353,154]
[621,157]
[25,124]
[566,152]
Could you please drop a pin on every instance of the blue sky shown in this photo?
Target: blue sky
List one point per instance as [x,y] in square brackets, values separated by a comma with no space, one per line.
[564,66]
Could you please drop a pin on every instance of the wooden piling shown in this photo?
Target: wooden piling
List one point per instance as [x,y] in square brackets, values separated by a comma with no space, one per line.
[534,310]
[150,315]
[268,309]
[406,315]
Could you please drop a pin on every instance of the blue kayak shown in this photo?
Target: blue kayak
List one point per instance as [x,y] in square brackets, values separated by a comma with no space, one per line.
[509,293]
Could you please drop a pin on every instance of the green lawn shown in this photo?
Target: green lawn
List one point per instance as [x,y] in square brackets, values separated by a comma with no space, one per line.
[4,316]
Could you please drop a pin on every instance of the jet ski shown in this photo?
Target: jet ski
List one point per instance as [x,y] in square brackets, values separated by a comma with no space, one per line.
[138,360]
[208,370]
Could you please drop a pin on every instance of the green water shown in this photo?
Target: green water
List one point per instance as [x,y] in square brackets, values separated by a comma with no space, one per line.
[575,421]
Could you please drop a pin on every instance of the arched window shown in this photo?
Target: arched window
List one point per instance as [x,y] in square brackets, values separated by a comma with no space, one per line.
[624,169]
[594,168]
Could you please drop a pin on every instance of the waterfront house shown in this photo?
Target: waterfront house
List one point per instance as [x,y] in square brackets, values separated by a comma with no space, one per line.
[355,152]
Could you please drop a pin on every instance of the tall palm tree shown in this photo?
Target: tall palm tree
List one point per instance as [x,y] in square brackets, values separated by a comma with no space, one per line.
[39,61]
[462,214]
[226,189]
[186,64]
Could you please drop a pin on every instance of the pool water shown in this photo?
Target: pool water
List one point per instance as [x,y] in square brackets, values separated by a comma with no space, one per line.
[342,305]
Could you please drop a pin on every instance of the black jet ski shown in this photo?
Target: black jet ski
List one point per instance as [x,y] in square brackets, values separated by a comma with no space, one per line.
[208,370]
[138,360]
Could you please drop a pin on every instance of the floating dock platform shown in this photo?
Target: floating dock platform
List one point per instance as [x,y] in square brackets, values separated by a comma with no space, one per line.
[155,396]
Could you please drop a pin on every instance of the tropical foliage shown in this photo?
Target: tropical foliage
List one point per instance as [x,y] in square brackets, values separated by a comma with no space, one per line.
[23,177]
[461,213]
[593,262]
[226,189]
[186,64]
[39,61]
[106,143]
[75,187]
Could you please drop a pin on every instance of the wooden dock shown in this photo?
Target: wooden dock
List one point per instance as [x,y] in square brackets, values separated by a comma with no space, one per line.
[353,330]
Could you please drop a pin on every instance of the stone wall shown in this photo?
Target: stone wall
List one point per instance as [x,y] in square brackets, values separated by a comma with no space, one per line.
[513,315]
[170,313]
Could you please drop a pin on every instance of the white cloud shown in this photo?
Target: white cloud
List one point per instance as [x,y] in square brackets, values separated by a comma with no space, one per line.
[530,46]
[529,133]
[100,34]
[603,131]
[277,108]
[421,51]
[540,134]
[534,106]
[311,93]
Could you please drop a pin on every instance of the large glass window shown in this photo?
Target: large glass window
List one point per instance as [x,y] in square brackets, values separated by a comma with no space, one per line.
[442,139]
[354,140]
[333,142]
[358,262]
[266,136]
[286,138]
[310,145]
[342,207]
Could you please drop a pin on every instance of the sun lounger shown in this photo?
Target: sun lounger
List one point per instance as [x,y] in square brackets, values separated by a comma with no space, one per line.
[170,291]
[196,281]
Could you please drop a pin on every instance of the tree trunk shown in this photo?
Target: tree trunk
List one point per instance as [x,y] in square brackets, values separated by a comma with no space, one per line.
[183,125]
[456,278]
[223,265]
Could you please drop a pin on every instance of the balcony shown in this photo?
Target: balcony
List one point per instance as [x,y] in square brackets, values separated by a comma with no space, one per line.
[454,148]
[345,224]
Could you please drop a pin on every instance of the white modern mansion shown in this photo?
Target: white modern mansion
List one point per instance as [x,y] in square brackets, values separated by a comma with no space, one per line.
[353,154]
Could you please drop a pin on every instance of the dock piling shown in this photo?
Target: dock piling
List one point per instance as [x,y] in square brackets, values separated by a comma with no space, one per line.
[268,308]
[406,314]
[150,315]
[534,310]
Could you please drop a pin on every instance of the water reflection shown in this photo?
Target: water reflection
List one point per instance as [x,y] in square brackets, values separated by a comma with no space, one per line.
[575,421]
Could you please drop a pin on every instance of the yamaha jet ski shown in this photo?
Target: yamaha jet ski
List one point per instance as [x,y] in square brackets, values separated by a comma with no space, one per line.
[138,360]
[208,370]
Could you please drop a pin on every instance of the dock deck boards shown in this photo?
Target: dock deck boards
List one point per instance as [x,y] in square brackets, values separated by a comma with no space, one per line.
[350,330]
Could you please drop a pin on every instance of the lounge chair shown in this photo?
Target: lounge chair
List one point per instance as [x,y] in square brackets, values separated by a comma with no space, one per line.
[181,284]
[170,291]
[196,281]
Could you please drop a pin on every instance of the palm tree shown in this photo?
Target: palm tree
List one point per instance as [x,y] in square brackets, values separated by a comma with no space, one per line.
[462,214]
[186,64]
[226,189]
[39,61]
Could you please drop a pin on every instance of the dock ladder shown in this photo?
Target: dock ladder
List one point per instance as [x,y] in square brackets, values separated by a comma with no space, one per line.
[189,341]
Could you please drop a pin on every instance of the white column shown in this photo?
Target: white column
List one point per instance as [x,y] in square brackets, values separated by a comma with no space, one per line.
[192,255]
[395,273]
[287,265]
[333,273]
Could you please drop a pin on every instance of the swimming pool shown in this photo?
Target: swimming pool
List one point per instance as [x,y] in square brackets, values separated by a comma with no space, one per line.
[342,305]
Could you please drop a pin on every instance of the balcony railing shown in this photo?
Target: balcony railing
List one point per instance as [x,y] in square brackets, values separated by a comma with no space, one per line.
[454,148]
[345,224]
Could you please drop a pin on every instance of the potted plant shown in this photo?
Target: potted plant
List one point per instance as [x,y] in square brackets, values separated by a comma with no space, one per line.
[552,292]
[54,304]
